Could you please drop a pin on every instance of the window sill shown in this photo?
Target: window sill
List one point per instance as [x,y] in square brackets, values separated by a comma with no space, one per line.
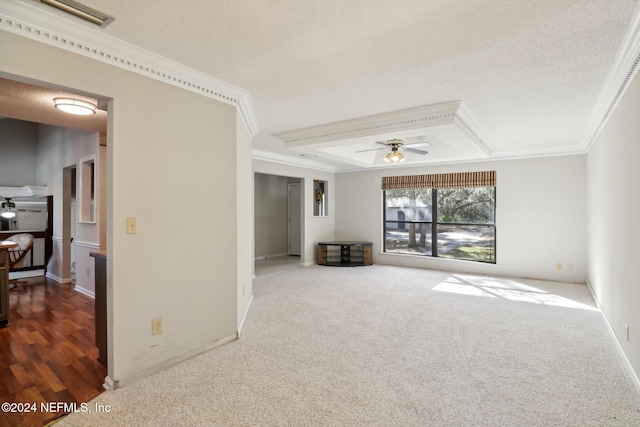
[439,259]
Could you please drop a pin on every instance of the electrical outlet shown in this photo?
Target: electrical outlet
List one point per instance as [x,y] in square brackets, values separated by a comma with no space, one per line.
[156,326]
[558,266]
[88,272]
[569,266]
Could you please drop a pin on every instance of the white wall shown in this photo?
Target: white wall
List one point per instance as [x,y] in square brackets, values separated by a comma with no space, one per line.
[18,153]
[59,148]
[244,190]
[540,217]
[163,143]
[315,229]
[613,171]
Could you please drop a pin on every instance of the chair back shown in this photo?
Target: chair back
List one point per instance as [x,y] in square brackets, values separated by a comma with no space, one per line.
[18,254]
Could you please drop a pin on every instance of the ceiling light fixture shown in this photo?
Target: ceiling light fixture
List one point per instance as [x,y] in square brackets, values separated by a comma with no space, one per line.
[394,156]
[81,11]
[8,208]
[75,106]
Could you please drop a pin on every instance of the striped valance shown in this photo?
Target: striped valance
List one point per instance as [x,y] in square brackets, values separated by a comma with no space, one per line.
[440,180]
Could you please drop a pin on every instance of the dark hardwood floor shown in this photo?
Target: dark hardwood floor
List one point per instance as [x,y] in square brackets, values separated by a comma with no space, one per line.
[48,352]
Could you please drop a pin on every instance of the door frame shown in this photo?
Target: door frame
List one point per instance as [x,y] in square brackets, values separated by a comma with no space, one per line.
[290,215]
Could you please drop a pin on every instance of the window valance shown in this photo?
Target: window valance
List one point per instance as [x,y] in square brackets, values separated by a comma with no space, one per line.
[440,180]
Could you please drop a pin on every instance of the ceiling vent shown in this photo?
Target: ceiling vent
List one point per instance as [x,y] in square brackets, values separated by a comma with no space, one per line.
[80,11]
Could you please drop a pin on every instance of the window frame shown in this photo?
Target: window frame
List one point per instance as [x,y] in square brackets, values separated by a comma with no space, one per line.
[433,224]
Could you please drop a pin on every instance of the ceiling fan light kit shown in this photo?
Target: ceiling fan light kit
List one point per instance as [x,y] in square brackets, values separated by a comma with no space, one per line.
[394,156]
[8,209]
[394,146]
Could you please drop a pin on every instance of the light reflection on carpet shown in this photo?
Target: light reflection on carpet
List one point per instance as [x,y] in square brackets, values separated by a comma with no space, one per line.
[504,288]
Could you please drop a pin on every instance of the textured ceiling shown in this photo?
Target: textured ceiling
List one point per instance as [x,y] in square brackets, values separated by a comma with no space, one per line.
[529,73]
[32,103]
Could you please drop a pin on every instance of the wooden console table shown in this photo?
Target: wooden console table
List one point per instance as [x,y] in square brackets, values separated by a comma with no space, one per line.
[344,253]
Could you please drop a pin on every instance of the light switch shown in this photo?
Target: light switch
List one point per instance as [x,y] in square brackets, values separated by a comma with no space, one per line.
[132,225]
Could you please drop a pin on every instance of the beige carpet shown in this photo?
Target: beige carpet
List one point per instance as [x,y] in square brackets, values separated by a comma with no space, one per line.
[391,346]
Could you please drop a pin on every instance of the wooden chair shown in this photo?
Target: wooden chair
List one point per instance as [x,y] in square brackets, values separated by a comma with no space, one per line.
[17,255]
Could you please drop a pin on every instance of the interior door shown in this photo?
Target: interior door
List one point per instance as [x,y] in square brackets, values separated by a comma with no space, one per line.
[295,219]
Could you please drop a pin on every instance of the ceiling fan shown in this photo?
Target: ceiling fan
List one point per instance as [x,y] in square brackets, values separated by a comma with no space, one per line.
[8,209]
[394,146]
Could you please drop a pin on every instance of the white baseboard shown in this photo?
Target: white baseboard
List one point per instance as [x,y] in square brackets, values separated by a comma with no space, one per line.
[260,258]
[84,291]
[620,350]
[58,279]
[112,382]
[244,316]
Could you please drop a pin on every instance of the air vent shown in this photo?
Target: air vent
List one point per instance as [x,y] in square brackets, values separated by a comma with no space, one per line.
[80,11]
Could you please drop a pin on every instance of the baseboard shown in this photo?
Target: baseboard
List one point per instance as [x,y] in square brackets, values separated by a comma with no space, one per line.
[244,316]
[58,279]
[264,257]
[84,291]
[623,356]
[112,382]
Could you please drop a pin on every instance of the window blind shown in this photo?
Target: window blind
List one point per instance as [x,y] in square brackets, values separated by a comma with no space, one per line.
[440,180]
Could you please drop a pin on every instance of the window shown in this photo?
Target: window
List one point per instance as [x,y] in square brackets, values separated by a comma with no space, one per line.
[444,215]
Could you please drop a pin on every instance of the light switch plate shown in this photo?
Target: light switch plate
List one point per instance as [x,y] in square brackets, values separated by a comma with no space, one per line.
[132,225]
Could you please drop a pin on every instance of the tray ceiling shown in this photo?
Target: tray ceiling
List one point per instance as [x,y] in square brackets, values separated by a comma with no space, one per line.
[530,75]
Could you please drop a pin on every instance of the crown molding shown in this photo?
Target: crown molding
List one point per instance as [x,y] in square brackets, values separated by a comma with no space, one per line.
[547,152]
[33,21]
[411,118]
[465,121]
[623,70]
[269,156]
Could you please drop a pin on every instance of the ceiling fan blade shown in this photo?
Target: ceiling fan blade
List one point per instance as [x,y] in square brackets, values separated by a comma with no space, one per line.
[417,144]
[413,150]
[382,143]
[372,149]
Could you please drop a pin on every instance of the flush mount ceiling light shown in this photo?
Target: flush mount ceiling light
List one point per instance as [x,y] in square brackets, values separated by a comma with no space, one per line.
[75,106]
[81,11]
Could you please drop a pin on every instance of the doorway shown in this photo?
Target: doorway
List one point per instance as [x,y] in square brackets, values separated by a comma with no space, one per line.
[274,236]
[46,151]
